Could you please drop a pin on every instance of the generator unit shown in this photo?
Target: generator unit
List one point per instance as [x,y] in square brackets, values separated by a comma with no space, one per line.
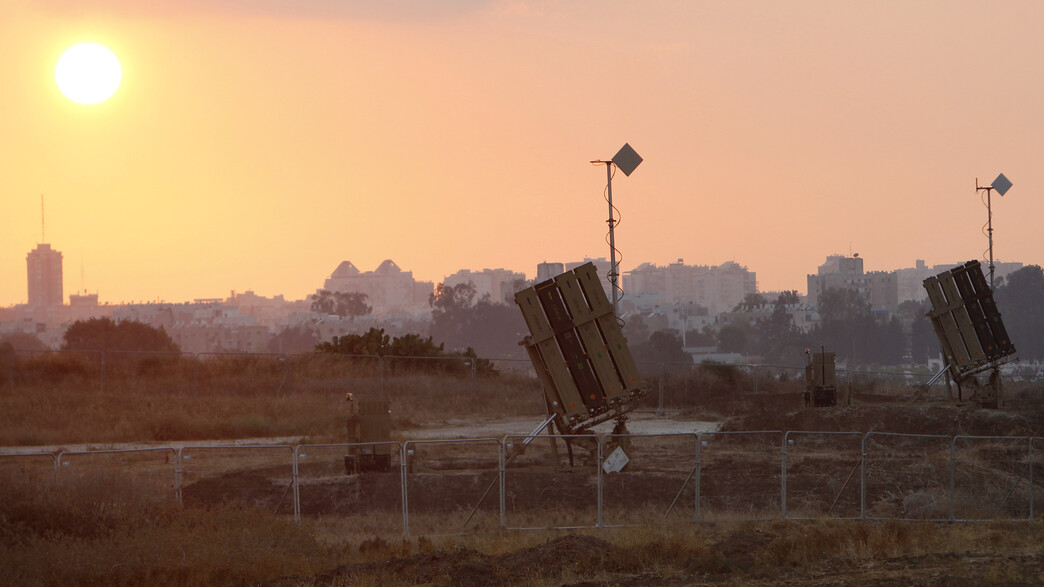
[820,380]
[369,432]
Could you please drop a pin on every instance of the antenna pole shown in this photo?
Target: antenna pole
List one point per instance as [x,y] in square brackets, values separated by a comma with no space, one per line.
[43,232]
[989,223]
[613,269]
[989,230]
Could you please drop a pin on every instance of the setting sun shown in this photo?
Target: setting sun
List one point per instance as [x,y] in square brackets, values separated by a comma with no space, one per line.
[88,73]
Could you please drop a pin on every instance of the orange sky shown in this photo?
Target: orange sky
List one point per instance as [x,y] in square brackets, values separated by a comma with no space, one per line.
[255,144]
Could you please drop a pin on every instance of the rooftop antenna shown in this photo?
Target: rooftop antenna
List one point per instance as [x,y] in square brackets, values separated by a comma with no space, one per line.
[43,232]
[1002,185]
[626,160]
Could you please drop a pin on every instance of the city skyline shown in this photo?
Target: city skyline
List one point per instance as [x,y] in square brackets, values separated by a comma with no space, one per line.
[255,145]
[341,278]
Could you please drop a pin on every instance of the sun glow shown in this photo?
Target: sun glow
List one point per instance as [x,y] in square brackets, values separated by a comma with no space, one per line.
[88,73]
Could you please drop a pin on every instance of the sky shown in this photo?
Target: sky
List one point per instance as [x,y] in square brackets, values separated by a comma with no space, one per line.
[256,144]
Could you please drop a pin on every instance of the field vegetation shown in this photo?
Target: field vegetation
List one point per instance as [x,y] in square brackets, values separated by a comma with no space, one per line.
[79,531]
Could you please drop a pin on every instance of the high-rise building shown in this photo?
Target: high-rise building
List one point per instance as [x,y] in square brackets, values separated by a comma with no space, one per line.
[45,276]
[717,288]
[547,270]
[880,288]
[389,290]
[499,284]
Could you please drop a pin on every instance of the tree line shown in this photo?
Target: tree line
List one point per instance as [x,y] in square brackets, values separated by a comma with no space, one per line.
[468,326]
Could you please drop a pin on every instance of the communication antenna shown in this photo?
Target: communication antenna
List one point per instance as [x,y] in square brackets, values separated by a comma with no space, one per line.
[43,232]
[1002,185]
[626,160]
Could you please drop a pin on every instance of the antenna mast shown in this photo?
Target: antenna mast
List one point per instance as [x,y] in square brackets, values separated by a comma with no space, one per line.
[43,232]
[1002,185]
[626,160]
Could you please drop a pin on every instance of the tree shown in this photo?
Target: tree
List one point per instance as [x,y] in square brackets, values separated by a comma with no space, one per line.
[373,342]
[635,330]
[22,341]
[923,342]
[294,340]
[733,338]
[705,337]
[751,301]
[847,326]
[1020,301]
[663,346]
[451,312]
[778,339]
[346,304]
[460,321]
[414,350]
[103,334]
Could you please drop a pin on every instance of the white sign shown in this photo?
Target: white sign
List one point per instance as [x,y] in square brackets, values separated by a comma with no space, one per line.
[616,461]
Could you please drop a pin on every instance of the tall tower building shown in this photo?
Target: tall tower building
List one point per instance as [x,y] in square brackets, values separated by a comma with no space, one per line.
[45,276]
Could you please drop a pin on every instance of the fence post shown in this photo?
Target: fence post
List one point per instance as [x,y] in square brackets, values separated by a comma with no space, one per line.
[659,407]
[1031,488]
[177,476]
[600,478]
[297,486]
[502,464]
[404,455]
[783,475]
[699,455]
[862,478]
[756,382]
[953,477]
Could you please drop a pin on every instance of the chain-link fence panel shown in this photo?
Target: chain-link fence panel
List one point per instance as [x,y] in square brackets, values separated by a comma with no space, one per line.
[363,481]
[518,367]
[821,473]
[906,476]
[76,371]
[651,479]
[740,476]
[242,373]
[134,371]
[21,474]
[990,478]
[451,486]
[331,373]
[552,482]
[258,476]
[118,478]
[465,368]
[1036,476]
[780,379]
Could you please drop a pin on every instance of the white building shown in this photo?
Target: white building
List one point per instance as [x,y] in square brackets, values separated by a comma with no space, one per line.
[499,284]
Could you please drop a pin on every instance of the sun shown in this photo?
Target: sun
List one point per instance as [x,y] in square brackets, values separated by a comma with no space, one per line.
[88,73]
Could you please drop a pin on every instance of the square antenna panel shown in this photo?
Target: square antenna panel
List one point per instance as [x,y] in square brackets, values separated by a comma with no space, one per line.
[1002,184]
[579,353]
[627,159]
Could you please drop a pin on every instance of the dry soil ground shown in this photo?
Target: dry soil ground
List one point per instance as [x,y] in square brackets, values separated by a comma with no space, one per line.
[737,477]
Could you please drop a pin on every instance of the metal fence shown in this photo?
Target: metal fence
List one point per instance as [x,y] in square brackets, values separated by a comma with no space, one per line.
[475,485]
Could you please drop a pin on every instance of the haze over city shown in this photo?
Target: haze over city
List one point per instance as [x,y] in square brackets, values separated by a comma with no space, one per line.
[256,145]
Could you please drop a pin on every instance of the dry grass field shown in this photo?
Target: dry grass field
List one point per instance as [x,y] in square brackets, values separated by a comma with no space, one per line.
[82,531]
